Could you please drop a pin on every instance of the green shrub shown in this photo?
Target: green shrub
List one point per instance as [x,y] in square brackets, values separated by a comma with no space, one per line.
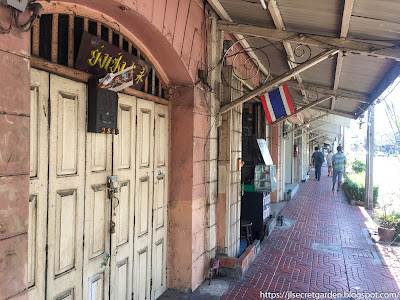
[358,166]
[356,187]
[386,220]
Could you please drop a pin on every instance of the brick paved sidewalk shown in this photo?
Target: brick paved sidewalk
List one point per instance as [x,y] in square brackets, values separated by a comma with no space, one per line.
[327,249]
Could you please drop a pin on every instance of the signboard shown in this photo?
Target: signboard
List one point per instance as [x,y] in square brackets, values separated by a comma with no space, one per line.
[262,144]
[99,58]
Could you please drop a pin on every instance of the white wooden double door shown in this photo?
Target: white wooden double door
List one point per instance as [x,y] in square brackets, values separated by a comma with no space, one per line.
[73,252]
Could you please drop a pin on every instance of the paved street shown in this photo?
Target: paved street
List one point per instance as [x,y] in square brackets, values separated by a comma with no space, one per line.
[326,249]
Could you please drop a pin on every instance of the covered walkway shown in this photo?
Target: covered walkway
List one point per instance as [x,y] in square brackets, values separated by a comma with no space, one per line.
[322,247]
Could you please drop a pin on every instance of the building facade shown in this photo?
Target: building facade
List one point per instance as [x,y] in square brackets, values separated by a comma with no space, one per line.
[175,161]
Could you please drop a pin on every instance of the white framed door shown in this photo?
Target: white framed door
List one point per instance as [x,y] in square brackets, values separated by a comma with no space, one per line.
[96,258]
[70,206]
[123,206]
[160,203]
[66,188]
[143,200]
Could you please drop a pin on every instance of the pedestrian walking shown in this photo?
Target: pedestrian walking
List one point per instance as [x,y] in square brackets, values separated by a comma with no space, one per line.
[338,162]
[329,163]
[317,159]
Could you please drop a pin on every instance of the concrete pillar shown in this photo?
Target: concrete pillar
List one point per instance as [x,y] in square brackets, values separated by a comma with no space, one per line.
[14,159]
[277,154]
[369,172]
[188,207]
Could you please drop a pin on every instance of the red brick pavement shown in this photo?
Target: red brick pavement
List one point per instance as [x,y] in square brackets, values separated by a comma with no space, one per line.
[289,262]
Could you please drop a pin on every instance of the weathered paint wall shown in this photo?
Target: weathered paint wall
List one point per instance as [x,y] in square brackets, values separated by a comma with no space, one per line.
[14,159]
[171,34]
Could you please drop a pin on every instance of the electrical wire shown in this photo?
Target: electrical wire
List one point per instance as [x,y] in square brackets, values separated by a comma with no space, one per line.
[4,30]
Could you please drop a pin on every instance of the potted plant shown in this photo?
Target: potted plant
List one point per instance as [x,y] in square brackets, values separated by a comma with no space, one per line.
[387,225]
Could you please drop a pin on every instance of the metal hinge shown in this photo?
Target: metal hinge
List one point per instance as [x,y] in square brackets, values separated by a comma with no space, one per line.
[132,296]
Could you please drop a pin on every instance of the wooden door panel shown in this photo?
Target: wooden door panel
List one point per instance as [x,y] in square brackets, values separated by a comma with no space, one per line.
[143,199]
[38,184]
[65,231]
[122,213]
[96,248]
[97,218]
[160,202]
[122,241]
[66,188]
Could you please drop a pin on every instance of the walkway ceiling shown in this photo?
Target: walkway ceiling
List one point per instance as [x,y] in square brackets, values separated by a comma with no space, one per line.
[366,31]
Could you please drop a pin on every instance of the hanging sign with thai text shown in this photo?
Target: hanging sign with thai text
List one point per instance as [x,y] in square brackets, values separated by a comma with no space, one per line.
[99,58]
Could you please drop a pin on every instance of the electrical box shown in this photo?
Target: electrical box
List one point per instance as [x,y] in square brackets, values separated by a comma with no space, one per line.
[18,4]
[102,109]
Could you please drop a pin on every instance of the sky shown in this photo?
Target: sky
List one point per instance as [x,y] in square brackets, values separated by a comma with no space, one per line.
[383,128]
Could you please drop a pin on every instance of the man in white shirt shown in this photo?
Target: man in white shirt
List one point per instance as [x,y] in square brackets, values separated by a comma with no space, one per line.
[329,163]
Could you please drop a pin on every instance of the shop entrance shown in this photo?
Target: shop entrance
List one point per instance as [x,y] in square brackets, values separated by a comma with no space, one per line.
[86,240]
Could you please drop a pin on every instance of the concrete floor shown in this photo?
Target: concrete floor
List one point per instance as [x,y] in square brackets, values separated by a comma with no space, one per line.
[213,291]
[323,247]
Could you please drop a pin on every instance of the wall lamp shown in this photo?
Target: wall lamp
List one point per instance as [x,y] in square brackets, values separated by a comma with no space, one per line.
[35,10]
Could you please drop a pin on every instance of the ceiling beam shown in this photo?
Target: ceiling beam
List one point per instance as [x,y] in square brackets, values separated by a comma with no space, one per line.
[270,85]
[332,112]
[278,21]
[347,10]
[339,64]
[304,107]
[316,137]
[356,46]
[327,132]
[309,131]
[306,124]
[337,113]
[318,89]
[385,82]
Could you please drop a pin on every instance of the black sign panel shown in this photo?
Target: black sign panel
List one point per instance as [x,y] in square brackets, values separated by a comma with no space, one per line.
[99,58]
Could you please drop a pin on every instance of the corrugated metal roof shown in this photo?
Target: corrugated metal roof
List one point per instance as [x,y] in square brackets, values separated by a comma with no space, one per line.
[387,10]
[310,16]
[366,28]
[362,73]
[370,19]
[248,11]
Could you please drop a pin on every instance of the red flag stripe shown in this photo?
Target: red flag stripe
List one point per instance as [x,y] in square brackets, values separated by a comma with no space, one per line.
[289,99]
[264,104]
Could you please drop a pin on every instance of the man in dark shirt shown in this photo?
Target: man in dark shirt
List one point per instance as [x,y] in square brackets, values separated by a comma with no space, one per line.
[317,159]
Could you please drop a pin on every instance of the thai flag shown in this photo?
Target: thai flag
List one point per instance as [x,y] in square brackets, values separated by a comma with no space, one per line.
[277,103]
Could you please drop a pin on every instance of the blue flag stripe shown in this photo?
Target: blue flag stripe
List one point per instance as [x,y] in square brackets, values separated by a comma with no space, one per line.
[277,104]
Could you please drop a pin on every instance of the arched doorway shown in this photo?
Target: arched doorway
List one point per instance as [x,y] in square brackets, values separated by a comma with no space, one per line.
[83,241]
